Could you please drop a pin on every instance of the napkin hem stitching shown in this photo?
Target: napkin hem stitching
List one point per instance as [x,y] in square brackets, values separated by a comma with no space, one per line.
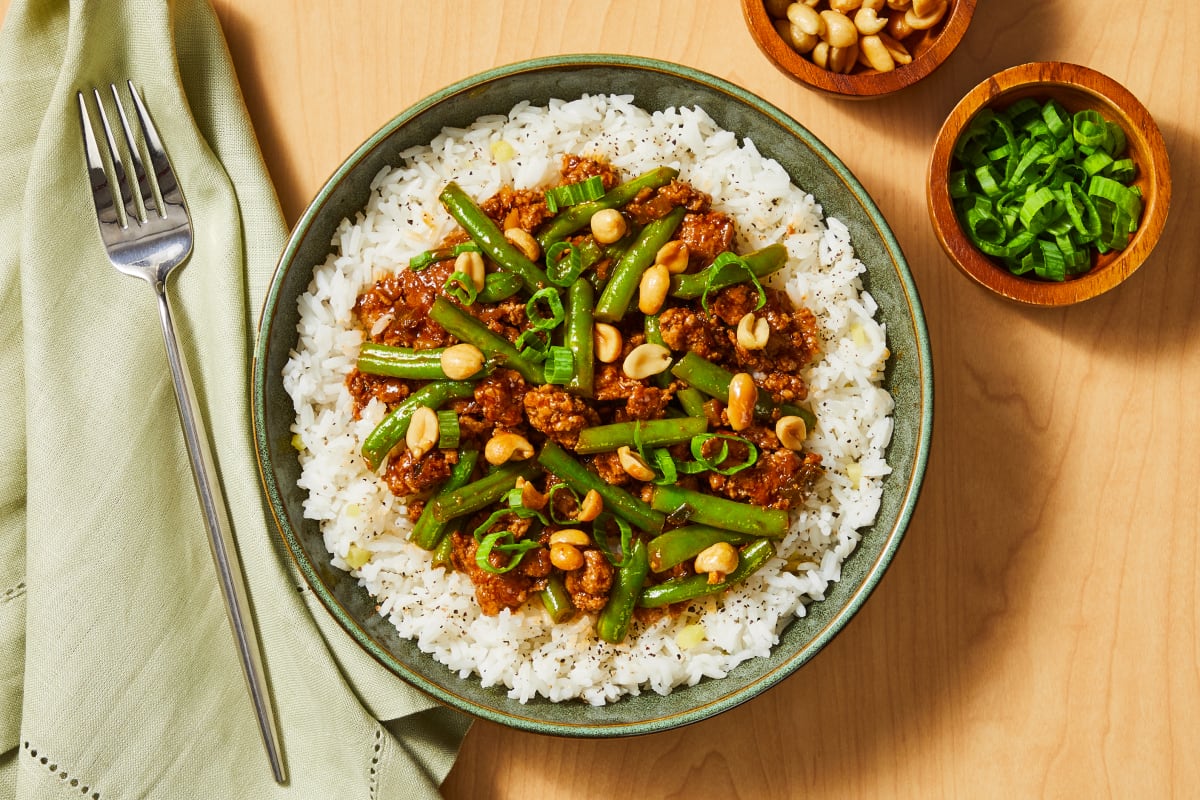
[13,593]
[52,767]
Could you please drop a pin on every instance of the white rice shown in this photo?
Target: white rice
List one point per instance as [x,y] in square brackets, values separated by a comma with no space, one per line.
[524,651]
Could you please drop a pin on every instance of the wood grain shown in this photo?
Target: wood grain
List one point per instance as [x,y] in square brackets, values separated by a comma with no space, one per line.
[1037,633]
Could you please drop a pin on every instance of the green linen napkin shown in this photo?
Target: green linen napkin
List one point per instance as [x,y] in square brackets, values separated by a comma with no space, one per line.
[118,673]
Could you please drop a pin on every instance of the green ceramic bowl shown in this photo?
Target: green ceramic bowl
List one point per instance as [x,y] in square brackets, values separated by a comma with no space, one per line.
[655,85]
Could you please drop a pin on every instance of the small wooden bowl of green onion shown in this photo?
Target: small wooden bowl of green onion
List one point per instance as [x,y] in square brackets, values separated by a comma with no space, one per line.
[1049,184]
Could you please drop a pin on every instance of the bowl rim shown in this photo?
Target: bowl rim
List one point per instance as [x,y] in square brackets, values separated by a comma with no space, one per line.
[865,85]
[872,574]
[981,269]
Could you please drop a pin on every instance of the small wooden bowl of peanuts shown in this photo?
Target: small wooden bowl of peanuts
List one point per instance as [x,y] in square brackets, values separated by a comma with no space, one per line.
[857,48]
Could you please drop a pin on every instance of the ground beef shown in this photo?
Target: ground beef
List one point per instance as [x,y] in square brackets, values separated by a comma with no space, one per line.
[608,467]
[707,235]
[517,208]
[364,387]
[493,591]
[506,318]
[558,414]
[684,329]
[577,169]
[395,310]
[500,397]
[406,475]
[590,584]
[652,204]
[779,479]
[644,402]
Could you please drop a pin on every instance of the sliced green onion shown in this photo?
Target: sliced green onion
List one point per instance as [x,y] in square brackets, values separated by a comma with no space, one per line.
[564,263]
[461,287]
[726,266]
[600,537]
[555,489]
[492,542]
[560,365]
[554,306]
[572,194]
[714,464]
[429,257]
[449,430]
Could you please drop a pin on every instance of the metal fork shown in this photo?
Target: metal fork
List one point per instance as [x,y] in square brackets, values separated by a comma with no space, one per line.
[147,232]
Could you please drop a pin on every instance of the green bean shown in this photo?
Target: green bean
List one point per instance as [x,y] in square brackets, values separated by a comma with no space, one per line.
[499,286]
[428,531]
[713,380]
[401,362]
[719,512]
[572,219]
[761,262]
[485,233]
[626,275]
[393,427]
[494,346]
[578,336]
[680,590]
[556,600]
[651,433]
[616,500]
[613,622]
[692,401]
[654,336]
[676,546]
[479,494]
[441,556]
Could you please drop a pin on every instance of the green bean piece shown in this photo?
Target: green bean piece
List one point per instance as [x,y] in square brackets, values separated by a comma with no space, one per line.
[713,380]
[692,401]
[404,362]
[761,262]
[428,531]
[572,219]
[613,622]
[556,600]
[493,345]
[499,286]
[719,512]
[485,233]
[627,274]
[578,336]
[441,556]
[654,336]
[616,500]
[479,494]
[680,590]
[393,427]
[676,546]
[651,433]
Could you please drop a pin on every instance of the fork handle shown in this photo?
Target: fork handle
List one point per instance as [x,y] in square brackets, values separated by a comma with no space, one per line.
[220,537]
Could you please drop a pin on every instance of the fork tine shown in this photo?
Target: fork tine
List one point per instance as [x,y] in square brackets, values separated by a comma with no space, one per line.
[168,186]
[143,185]
[102,189]
[126,190]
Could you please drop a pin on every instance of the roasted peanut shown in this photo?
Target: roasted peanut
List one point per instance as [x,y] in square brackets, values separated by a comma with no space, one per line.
[877,54]
[839,30]
[898,27]
[717,560]
[895,49]
[743,394]
[505,447]
[652,291]
[806,19]
[674,256]
[820,54]
[797,39]
[571,536]
[633,464]
[422,432]
[646,360]
[868,22]
[923,22]
[530,496]
[608,225]
[843,59]
[925,7]
[606,342]
[845,6]
[899,5]
[791,432]
[565,557]
[471,262]
[523,241]
[590,507]
[752,333]
[461,361]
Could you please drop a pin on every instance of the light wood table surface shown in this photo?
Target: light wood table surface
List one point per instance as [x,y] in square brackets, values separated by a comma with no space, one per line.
[1036,636]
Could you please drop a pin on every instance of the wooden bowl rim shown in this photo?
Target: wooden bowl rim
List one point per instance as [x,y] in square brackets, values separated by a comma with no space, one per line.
[864,85]
[1139,126]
